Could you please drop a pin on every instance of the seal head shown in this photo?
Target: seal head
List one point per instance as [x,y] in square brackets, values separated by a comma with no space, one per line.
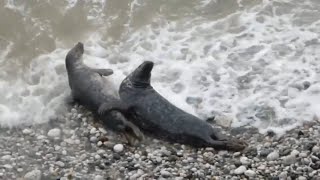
[74,55]
[140,78]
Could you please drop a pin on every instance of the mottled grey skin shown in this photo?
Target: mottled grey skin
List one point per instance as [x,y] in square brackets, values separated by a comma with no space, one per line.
[89,89]
[156,116]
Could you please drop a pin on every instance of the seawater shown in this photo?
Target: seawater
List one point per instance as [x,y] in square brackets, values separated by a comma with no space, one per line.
[252,61]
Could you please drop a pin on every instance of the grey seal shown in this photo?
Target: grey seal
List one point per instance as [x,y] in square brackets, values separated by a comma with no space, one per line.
[156,116]
[89,89]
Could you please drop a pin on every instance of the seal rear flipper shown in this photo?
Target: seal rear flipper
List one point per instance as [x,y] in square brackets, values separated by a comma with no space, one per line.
[103,72]
[230,144]
[115,105]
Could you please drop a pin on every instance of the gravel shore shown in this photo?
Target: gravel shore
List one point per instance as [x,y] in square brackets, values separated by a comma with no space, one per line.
[73,146]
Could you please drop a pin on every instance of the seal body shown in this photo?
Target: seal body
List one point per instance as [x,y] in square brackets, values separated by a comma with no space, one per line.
[89,89]
[156,116]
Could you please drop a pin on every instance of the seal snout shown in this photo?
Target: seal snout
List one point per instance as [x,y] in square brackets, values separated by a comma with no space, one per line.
[78,48]
[76,52]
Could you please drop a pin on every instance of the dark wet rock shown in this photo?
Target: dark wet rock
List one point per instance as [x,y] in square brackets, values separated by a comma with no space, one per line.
[194,100]
[309,145]
[251,152]
[284,152]
[271,133]
[131,166]
[293,175]
[237,163]
[265,152]
[238,130]
[312,42]
[300,134]
[306,85]
[107,163]
[315,166]
[116,156]
[211,119]
[173,158]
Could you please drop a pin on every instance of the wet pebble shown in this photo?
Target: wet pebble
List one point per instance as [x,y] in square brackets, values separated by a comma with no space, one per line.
[27,131]
[165,173]
[33,175]
[316,149]
[54,133]
[240,170]
[273,156]
[250,173]
[244,160]
[118,148]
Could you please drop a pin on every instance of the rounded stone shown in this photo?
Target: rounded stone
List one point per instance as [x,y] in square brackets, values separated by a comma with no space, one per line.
[303,155]
[27,131]
[97,157]
[273,156]
[137,156]
[33,175]
[295,152]
[240,170]
[236,154]
[99,143]
[93,130]
[60,164]
[93,139]
[288,160]
[165,173]
[250,173]
[6,157]
[54,133]
[302,178]
[118,148]
[315,149]
[98,177]
[283,175]
[244,160]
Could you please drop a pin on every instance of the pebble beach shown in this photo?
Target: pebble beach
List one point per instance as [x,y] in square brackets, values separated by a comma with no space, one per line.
[75,146]
[252,64]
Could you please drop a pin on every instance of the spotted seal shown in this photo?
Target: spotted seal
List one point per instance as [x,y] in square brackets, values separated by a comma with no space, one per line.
[89,89]
[156,116]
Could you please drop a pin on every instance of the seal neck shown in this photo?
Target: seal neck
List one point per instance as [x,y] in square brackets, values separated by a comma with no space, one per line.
[143,85]
[73,63]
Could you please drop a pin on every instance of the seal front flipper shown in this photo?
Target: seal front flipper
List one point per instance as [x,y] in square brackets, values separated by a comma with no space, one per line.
[132,133]
[103,72]
[133,130]
[115,105]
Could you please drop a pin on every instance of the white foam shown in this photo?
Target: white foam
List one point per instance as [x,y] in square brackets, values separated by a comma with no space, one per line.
[248,65]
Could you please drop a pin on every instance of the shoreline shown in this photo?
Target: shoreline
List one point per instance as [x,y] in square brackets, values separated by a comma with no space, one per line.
[73,146]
